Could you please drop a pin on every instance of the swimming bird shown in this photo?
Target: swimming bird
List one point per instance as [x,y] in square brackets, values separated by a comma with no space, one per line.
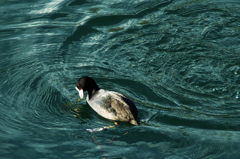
[109,104]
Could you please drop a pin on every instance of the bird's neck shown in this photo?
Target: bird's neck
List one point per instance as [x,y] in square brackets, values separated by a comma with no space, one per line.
[92,92]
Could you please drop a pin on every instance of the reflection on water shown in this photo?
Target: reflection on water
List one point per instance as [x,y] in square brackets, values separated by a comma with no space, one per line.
[177,60]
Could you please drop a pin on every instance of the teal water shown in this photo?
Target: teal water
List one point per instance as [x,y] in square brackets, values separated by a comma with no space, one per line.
[179,61]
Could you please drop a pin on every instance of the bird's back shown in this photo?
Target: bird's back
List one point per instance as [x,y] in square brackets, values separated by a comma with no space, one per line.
[114,106]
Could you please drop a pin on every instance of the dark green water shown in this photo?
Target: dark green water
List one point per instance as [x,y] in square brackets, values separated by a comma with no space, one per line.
[179,61]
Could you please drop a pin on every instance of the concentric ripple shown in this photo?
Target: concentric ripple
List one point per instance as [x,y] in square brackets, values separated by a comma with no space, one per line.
[177,60]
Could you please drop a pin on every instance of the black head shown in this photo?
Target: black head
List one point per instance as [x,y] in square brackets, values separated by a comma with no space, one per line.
[87,84]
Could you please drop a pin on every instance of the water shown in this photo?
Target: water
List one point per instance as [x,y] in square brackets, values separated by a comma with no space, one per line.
[177,60]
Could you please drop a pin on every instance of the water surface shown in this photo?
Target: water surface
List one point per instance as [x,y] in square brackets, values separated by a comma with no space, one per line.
[177,60]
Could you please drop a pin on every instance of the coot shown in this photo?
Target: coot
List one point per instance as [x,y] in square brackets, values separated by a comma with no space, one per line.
[108,104]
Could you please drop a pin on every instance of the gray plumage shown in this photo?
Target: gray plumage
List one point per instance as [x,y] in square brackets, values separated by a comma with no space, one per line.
[108,104]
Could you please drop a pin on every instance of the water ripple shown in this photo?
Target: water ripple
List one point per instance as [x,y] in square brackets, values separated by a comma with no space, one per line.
[177,60]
